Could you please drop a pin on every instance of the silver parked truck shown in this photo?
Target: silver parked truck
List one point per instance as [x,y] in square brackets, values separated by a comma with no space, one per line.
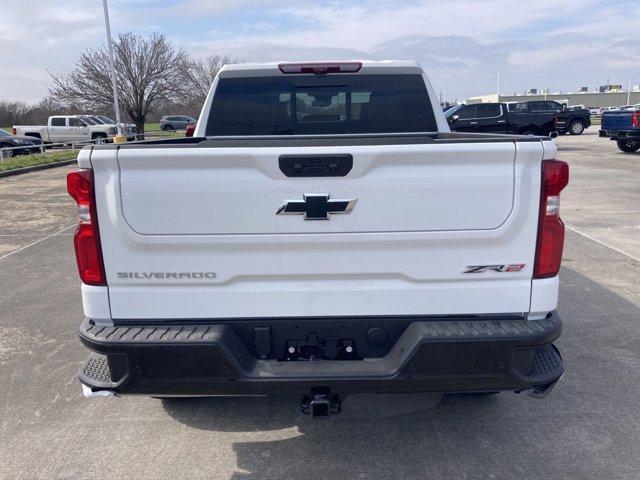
[322,233]
[66,129]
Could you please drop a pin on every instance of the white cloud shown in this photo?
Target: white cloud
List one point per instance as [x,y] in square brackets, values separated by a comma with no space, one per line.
[461,42]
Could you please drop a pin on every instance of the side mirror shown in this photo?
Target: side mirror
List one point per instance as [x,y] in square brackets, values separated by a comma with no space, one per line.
[454,118]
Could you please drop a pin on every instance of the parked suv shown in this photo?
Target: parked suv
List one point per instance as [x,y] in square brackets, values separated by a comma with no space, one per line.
[175,122]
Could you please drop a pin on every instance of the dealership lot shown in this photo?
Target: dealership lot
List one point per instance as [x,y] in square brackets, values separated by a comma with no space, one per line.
[587,427]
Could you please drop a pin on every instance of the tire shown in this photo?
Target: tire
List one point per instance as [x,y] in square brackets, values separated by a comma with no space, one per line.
[576,127]
[528,132]
[168,128]
[628,146]
[6,153]
[99,137]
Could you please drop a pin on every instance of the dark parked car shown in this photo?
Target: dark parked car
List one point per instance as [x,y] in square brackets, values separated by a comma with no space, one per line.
[23,145]
[496,118]
[570,119]
[623,127]
[175,122]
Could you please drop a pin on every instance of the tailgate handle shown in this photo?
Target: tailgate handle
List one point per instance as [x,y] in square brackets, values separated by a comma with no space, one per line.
[316,165]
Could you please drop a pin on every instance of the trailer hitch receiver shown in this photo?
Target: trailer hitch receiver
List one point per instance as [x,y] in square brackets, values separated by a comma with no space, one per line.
[320,403]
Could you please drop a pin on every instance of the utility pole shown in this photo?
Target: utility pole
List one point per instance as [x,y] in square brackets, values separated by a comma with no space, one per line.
[112,63]
[629,94]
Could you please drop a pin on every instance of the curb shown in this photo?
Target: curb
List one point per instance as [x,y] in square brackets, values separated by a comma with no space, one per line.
[35,168]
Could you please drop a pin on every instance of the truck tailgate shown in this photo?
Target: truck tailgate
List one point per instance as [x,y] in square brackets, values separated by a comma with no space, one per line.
[193,232]
[404,188]
[617,120]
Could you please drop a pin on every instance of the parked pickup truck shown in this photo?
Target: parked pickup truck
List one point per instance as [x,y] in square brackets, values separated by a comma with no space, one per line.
[497,118]
[65,129]
[128,129]
[572,120]
[322,233]
[623,127]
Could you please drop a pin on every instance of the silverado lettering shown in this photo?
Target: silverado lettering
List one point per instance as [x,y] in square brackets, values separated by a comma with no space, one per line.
[166,275]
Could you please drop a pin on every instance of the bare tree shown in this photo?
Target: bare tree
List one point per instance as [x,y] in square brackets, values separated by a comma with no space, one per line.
[200,75]
[12,113]
[149,70]
[16,113]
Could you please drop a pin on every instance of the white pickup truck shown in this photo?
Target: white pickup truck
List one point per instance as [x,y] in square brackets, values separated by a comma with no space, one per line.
[65,129]
[322,233]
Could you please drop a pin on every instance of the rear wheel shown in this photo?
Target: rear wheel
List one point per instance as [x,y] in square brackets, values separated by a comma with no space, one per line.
[576,127]
[167,128]
[528,132]
[628,146]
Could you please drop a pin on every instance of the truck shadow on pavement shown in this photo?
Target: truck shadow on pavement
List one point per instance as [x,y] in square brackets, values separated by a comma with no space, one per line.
[581,430]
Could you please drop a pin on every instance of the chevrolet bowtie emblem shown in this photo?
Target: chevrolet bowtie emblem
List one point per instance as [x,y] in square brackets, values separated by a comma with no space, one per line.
[316,206]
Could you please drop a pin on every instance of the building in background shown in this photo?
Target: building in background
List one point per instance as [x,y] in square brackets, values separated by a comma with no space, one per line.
[606,96]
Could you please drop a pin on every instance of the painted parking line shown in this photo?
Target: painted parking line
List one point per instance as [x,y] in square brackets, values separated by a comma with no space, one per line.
[59,232]
[622,252]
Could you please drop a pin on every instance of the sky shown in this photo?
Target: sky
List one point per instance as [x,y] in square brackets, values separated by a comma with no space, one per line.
[560,45]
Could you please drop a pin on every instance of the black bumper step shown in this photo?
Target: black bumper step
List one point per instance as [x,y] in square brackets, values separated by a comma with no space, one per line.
[429,330]
[95,371]
[546,361]
[429,356]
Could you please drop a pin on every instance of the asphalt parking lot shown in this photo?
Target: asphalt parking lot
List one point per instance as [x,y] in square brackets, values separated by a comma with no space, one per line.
[588,427]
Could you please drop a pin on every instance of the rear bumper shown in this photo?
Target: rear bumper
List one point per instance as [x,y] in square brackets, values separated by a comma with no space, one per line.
[620,134]
[443,355]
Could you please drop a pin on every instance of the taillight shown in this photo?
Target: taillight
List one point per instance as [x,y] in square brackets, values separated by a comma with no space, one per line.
[320,68]
[635,119]
[189,131]
[87,238]
[555,176]
[555,122]
[14,131]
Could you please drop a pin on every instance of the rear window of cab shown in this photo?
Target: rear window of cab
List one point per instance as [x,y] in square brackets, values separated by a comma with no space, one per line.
[321,104]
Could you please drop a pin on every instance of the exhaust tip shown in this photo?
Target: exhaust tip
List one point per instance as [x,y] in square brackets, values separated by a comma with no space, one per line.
[88,392]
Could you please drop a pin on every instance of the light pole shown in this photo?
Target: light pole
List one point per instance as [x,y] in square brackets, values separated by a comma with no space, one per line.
[112,63]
